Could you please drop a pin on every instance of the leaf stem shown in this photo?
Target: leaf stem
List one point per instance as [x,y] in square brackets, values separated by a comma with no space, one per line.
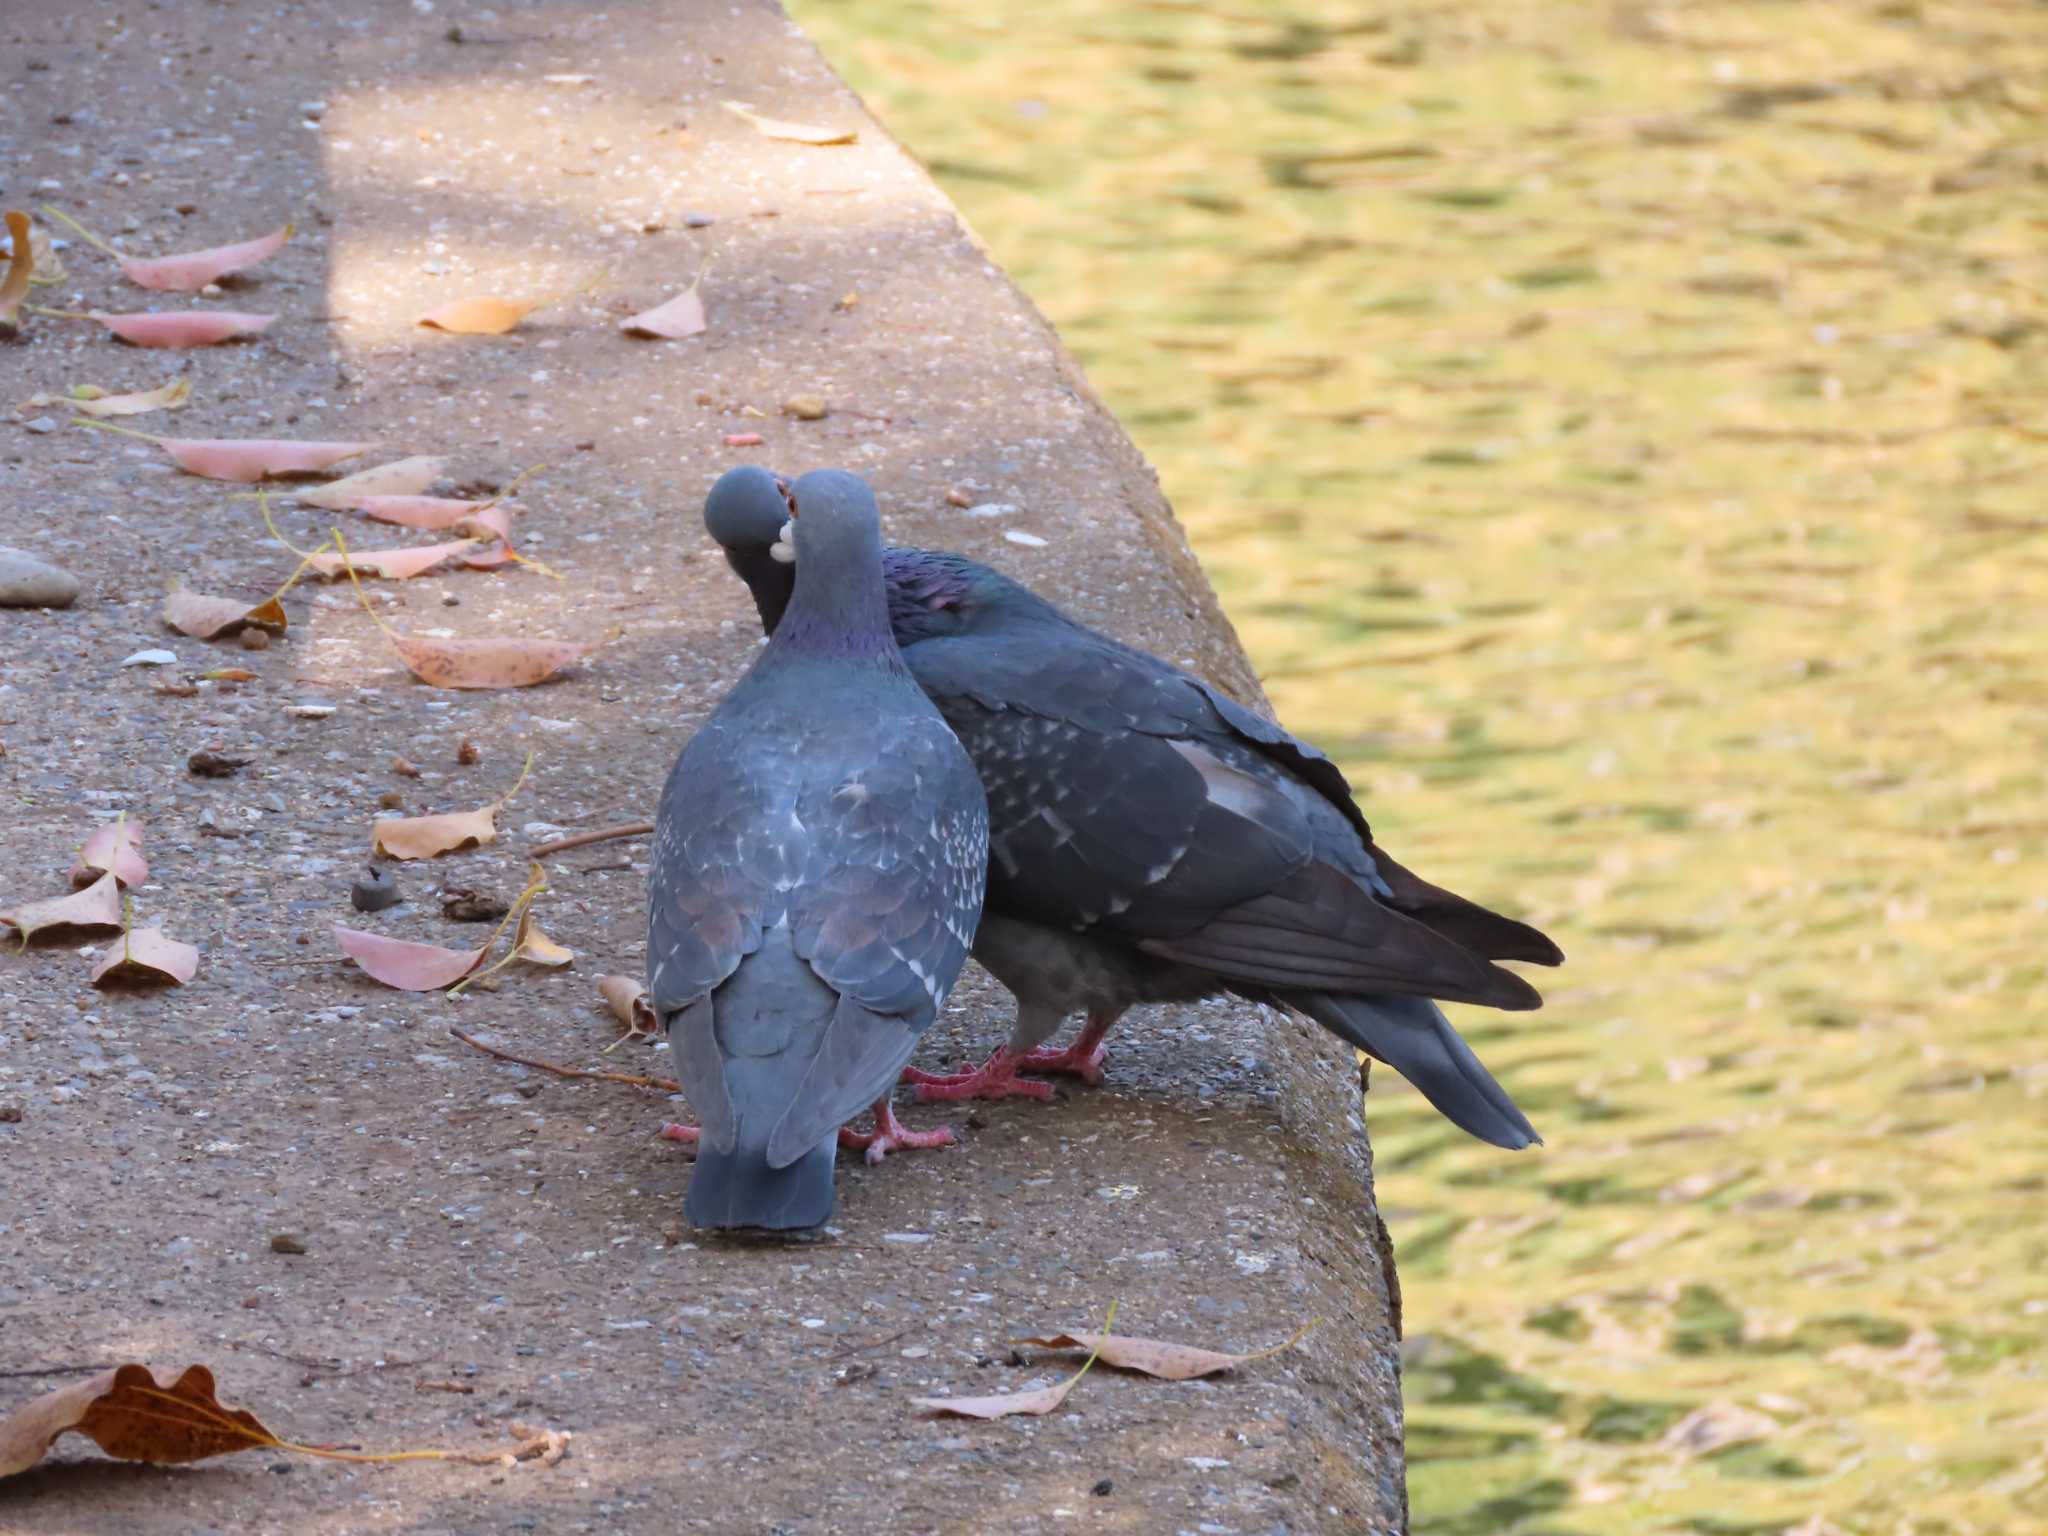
[81,231]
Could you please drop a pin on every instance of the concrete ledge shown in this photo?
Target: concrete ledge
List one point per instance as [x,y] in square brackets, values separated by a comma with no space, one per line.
[470,1221]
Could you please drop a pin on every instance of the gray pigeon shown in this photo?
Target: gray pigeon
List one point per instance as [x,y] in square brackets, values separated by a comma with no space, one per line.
[819,860]
[1152,840]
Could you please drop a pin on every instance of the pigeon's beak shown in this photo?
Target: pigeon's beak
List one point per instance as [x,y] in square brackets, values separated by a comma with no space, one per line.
[784,547]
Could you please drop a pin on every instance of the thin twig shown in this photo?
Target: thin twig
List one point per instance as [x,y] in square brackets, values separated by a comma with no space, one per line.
[54,1370]
[585,839]
[632,1079]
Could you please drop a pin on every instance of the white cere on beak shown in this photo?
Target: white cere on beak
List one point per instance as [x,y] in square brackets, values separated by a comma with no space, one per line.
[784,547]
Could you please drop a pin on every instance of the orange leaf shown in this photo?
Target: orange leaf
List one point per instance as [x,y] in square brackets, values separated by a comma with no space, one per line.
[21,266]
[1169,1362]
[97,906]
[491,663]
[401,477]
[405,965]
[115,847]
[799,133]
[424,837]
[195,269]
[208,618]
[131,1418]
[530,944]
[480,317]
[391,564]
[146,956]
[185,328]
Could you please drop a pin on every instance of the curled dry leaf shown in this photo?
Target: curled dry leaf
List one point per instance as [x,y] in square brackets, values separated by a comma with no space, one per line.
[402,477]
[21,268]
[97,906]
[146,957]
[115,848]
[208,618]
[391,564]
[89,401]
[195,269]
[681,316]
[530,944]
[406,965]
[480,317]
[131,1418]
[1154,1357]
[499,663]
[1006,1404]
[626,997]
[425,837]
[798,133]
[186,328]
[242,459]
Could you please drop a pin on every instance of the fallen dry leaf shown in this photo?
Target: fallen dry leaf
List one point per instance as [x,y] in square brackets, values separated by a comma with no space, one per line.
[426,837]
[145,957]
[480,317]
[1154,1357]
[95,402]
[626,997]
[243,459]
[1007,1404]
[131,1418]
[530,944]
[97,906]
[401,477]
[430,513]
[115,848]
[406,965]
[208,618]
[391,564]
[681,316]
[490,663]
[21,269]
[798,133]
[189,272]
[182,329]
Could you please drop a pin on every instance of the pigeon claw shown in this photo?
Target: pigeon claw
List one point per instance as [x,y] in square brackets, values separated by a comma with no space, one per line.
[1084,1059]
[995,1078]
[686,1134]
[890,1135]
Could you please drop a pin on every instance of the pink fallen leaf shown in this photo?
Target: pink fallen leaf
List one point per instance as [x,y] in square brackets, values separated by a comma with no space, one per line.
[426,837]
[145,957]
[187,273]
[97,906]
[241,459]
[681,316]
[21,267]
[391,564]
[1154,1357]
[408,966]
[429,513]
[192,271]
[115,848]
[401,477]
[798,133]
[205,617]
[1040,1400]
[186,328]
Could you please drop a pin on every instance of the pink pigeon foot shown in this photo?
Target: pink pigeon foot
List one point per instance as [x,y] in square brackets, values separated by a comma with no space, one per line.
[1084,1059]
[686,1134]
[995,1078]
[890,1135]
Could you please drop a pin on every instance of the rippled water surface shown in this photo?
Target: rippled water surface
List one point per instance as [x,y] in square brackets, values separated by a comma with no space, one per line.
[1618,432]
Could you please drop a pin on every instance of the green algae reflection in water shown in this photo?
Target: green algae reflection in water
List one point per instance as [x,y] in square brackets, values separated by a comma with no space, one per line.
[1618,432]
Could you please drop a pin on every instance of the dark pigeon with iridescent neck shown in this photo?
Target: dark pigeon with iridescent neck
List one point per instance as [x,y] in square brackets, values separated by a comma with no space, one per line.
[819,861]
[1152,840]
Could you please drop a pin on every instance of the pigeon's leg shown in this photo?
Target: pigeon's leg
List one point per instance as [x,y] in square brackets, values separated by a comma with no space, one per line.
[1084,1058]
[686,1134]
[995,1078]
[890,1135]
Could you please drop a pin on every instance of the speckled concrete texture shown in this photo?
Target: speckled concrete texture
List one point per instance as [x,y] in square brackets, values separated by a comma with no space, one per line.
[474,1223]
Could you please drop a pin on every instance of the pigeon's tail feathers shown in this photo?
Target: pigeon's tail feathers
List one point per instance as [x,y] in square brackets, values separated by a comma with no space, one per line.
[739,1189]
[1482,931]
[1411,1035]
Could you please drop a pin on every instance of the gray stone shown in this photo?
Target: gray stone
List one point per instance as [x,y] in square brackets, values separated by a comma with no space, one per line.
[26,582]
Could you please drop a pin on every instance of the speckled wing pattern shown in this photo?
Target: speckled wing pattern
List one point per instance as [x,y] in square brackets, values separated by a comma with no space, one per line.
[1125,794]
[870,849]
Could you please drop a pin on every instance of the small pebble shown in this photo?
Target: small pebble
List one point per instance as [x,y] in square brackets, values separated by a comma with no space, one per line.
[460,904]
[284,1242]
[374,892]
[254,639]
[26,582]
[10,1114]
[214,765]
[468,753]
[151,658]
[400,766]
[958,498]
[698,220]
[41,424]
[805,407]
[391,800]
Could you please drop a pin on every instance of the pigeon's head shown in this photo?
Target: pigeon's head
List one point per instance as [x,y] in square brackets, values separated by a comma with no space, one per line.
[746,512]
[832,529]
